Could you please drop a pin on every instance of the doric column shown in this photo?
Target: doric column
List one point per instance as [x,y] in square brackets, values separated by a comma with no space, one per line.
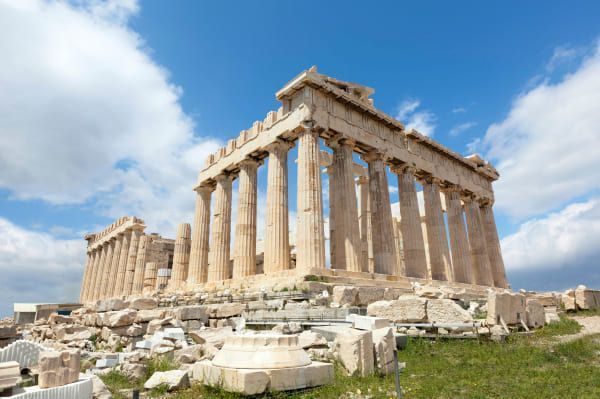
[86,275]
[106,268]
[181,256]
[384,250]
[131,258]
[439,254]
[364,217]
[277,243]
[198,269]
[481,273]
[150,274]
[310,245]
[98,274]
[140,265]
[336,251]
[219,254]
[347,230]
[493,245]
[415,261]
[461,258]
[163,276]
[244,251]
[122,268]
[114,267]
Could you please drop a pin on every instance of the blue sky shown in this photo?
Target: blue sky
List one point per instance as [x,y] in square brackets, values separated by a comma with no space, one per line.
[109,108]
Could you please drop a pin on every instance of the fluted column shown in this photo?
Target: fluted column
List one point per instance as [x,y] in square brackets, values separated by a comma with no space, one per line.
[198,269]
[384,250]
[244,252]
[150,275]
[439,254]
[219,254]
[131,258]
[461,258]
[336,251]
[415,261]
[106,268]
[140,265]
[310,252]
[347,229]
[86,275]
[122,268]
[277,242]
[98,274]
[481,272]
[493,245]
[181,256]
[114,267]
[364,222]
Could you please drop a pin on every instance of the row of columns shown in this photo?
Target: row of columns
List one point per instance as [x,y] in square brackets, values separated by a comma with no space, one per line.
[361,231]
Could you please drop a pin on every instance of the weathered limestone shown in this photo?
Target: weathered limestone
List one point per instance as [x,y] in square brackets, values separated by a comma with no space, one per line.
[461,258]
[505,306]
[114,267]
[384,251]
[172,379]
[140,265]
[131,259]
[493,245]
[219,262]
[347,234]
[336,247]
[480,262]
[122,265]
[586,298]
[310,235]
[535,313]
[406,309]
[415,263]
[277,246]
[198,268]
[439,255]
[150,274]
[244,253]
[384,343]
[364,218]
[181,256]
[10,375]
[354,349]
[446,311]
[86,274]
[58,368]
[106,270]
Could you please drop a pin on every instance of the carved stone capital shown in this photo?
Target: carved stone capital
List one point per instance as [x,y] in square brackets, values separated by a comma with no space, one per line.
[403,168]
[373,156]
[279,145]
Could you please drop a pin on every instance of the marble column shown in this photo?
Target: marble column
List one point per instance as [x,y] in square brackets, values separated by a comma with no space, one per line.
[131,258]
[150,275]
[106,268]
[198,269]
[336,251]
[415,261]
[140,265]
[181,257]
[364,222]
[439,254]
[310,250]
[480,262]
[114,267]
[277,244]
[86,275]
[244,251]
[98,272]
[384,250]
[493,245]
[347,229]
[219,255]
[459,244]
[122,268]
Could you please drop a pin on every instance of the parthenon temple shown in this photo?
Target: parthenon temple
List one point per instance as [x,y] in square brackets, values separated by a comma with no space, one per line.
[448,236]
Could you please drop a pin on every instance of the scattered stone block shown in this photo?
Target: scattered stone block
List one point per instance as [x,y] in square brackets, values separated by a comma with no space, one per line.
[447,311]
[173,379]
[119,318]
[243,381]
[107,362]
[536,316]
[367,322]
[384,344]
[107,305]
[10,375]
[354,350]
[175,334]
[143,303]
[310,339]
[146,315]
[58,368]
[345,295]
[367,295]
[567,300]
[406,309]
[586,298]
[196,312]
[329,332]
[212,336]
[225,310]
[551,314]
[506,305]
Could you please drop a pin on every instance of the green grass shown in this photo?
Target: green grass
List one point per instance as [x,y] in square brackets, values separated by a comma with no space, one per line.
[565,326]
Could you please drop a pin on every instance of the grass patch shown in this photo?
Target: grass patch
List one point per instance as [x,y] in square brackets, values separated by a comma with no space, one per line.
[565,326]
[116,381]
[159,363]
[587,313]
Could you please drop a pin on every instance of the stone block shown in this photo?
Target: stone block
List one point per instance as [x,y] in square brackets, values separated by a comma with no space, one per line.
[354,350]
[146,315]
[310,339]
[367,322]
[224,310]
[175,334]
[508,305]
[243,381]
[7,332]
[58,368]
[367,295]
[112,304]
[345,295]
[384,344]
[536,317]
[311,375]
[406,309]
[10,375]
[586,298]
[447,311]
[551,314]
[107,362]
[211,336]
[329,332]
[567,300]
[143,303]
[173,379]
[196,312]
[119,318]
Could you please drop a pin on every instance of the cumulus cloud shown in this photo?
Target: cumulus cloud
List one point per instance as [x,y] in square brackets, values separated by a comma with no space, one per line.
[36,267]
[546,149]
[90,117]
[421,120]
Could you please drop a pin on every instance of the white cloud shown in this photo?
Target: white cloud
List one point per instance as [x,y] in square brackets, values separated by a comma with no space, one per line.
[458,129]
[88,115]
[546,149]
[560,240]
[421,120]
[36,267]
[459,110]
[561,55]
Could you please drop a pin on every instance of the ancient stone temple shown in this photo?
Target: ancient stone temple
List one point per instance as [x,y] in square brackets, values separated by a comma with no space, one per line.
[451,238]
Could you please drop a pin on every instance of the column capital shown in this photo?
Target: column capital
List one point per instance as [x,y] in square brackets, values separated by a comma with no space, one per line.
[339,140]
[374,156]
[451,188]
[362,180]
[223,176]
[430,179]
[485,202]
[403,168]
[278,145]
[205,188]
[250,162]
